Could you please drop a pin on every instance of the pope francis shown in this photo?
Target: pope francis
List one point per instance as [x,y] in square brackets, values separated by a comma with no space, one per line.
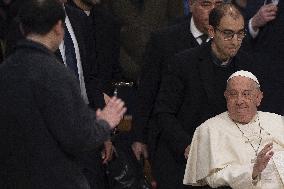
[242,148]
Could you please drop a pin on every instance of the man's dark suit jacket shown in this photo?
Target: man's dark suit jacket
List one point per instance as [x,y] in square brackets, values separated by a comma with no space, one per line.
[186,99]
[103,43]
[95,81]
[162,46]
[45,123]
[267,49]
[78,23]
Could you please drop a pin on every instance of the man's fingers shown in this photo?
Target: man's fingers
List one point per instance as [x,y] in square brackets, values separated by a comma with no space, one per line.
[107,154]
[266,148]
[269,7]
[98,113]
[138,155]
[137,152]
[119,105]
[268,155]
[145,153]
[115,103]
[122,112]
[137,149]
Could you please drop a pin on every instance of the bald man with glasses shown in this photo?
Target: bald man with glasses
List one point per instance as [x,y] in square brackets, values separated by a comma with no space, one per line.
[192,92]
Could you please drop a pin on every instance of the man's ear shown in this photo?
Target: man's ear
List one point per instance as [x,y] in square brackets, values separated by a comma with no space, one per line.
[58,28]
[211,31]
[259,98]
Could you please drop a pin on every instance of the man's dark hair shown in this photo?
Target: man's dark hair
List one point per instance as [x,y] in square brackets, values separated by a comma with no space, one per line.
[222,10]
[39,16]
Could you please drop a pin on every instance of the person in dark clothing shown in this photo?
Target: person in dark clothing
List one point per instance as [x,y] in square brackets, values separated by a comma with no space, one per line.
[266,25]
[103,43]
[45,124]
[162,46]
[192,92]
[12,31]
[102,47]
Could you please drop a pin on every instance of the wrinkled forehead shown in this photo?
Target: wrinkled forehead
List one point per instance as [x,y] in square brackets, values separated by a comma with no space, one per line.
[232,22]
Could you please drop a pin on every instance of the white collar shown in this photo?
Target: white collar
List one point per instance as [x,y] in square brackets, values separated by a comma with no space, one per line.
[87,13]
[254,120]
[195,32]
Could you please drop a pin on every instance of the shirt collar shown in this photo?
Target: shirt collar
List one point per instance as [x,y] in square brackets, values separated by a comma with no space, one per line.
[218,62]
[87,13]
[195,32]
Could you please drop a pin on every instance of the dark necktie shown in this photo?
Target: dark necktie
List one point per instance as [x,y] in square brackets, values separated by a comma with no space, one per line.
[70,55]
[203,38]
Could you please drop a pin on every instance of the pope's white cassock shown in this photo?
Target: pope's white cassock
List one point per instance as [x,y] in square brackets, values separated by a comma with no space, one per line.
[222,154]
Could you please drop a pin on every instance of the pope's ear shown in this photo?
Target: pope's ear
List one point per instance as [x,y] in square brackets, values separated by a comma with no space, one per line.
[259,98]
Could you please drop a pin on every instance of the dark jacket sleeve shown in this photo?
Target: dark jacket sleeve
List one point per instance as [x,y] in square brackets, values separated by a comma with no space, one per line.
[168,104]
[68,119]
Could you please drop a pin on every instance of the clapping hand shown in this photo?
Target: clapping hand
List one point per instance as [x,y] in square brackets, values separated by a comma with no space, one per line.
[139,149]
[113,112]
[262,159]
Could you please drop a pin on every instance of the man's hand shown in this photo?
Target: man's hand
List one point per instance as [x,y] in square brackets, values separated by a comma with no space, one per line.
[139,149]
[112,112]
[107,151]
[106,98]
[264,15]
[186,151]
[262,159]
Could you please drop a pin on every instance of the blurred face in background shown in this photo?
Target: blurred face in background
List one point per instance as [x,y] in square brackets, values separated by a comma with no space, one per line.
[200,10]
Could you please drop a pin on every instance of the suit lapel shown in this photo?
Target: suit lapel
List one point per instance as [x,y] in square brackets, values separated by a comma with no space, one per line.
[206,72]
[58,56]
[189,40]
[78,27]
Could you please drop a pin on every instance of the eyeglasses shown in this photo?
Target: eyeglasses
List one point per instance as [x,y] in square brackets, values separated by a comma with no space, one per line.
[229,34]
[246,94]
[209,4]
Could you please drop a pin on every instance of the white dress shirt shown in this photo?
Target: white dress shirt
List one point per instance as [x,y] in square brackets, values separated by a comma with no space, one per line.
[195,32]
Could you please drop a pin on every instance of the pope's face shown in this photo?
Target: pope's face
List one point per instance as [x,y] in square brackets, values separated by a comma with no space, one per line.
[243,97]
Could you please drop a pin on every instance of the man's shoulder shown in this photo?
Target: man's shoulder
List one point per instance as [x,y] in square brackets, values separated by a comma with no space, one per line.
[243,55]
[173,32]
[271,122]
[195,52]
[75,13]
[36,58]
[105,17]
[216,122]
[270,116]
